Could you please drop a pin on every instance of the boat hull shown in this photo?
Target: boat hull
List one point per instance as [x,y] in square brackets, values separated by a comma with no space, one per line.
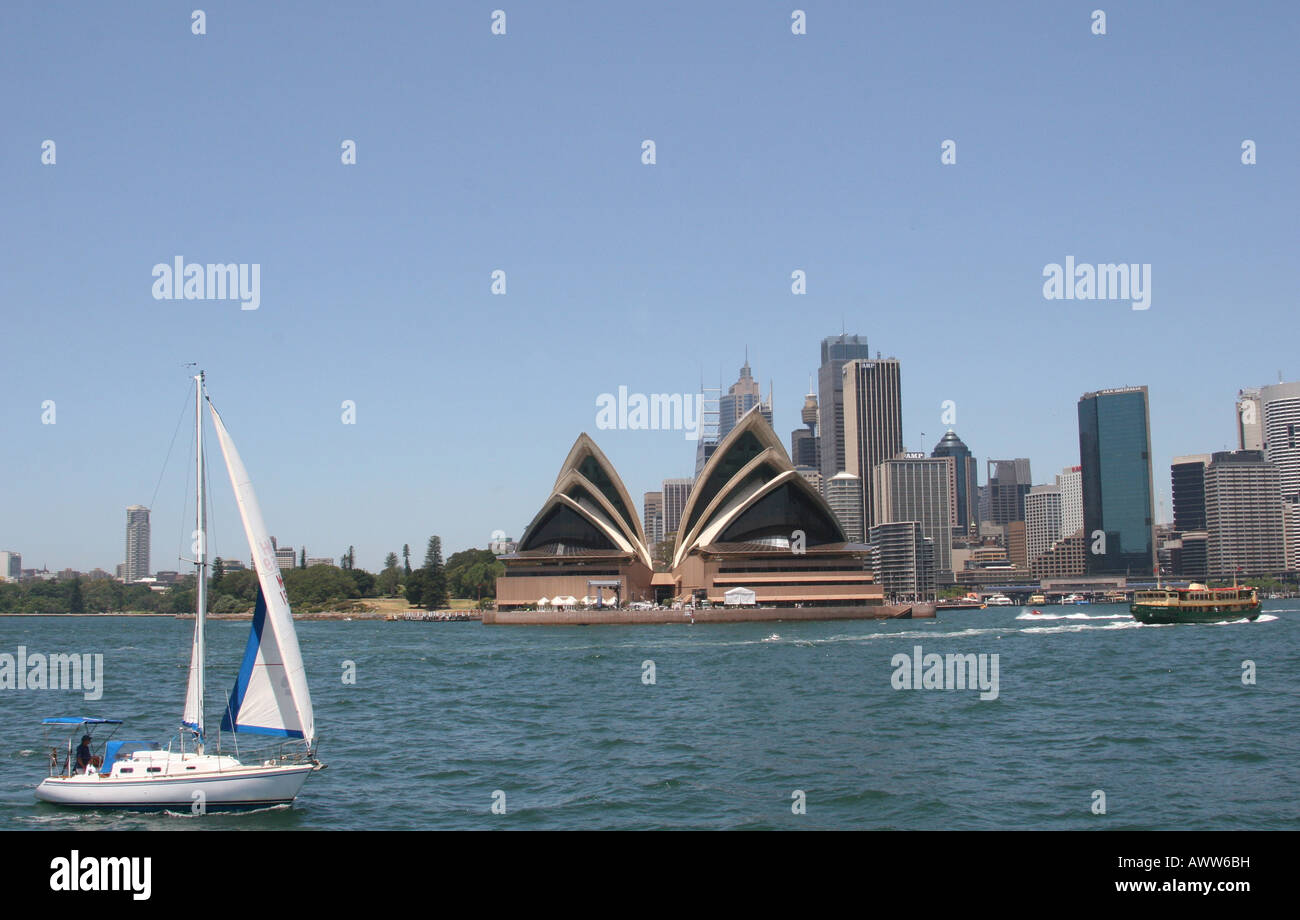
[1145,613]
[246,787]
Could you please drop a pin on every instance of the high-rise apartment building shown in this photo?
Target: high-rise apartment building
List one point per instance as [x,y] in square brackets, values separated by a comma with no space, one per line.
[1118,498]
[137,543]
[11,565]
[873,427]
[844,495]
[836,351]
[902,561]
[1244,515]
[1042,520]
[918,488]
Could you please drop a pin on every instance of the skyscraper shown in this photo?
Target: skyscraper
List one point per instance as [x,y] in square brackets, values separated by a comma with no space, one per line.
[967,492]
[1070,482]
[1118,500]
[1250,420]
[1243,515]
[1009,481]
[742,396]
[707,442]
[676,492]
[1042,520]
[873,427]
[1281,435]
[137,543]
[836,350]
[653,517]
[918,488]
[11,566]
[1187,481]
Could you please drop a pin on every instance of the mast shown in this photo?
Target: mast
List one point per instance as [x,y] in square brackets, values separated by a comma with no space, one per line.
[201,565]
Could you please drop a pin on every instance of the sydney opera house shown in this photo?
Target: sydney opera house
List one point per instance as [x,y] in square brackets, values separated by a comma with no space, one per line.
[752,523]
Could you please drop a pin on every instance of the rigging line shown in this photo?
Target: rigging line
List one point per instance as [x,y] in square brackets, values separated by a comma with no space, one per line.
[162,472]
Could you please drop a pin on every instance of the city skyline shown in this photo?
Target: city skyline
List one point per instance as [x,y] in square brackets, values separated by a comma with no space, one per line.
[376,278]
[1158,475]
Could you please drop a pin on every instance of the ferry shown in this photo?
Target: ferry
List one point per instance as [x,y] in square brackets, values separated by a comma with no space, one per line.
[1195,604]
[997,600]
[1038,599]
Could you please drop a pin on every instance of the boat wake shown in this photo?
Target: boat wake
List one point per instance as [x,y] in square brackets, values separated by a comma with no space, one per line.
[1073,616]
[240,812]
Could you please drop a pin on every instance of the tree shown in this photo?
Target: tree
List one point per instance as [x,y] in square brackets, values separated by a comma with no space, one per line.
[390,576]
[433,554]
[406,555]
[364,581]
[473,573]
[218,573]
[75,602]
[302,558]
[434,595]
[415,588]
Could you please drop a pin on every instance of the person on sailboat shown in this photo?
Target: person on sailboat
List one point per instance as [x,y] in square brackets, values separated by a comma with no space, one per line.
[86,760]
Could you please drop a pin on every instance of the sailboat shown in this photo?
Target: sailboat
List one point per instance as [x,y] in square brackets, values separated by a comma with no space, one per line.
[270,696]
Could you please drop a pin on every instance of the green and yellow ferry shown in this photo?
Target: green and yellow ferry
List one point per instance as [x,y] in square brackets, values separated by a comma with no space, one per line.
[1195,604]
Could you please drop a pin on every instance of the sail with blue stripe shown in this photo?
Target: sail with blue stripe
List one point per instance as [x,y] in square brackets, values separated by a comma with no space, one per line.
[270,695]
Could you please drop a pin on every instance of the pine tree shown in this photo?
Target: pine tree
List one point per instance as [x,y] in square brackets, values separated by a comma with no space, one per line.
[218,573]
[302,558]
[75,602]
[434,595]
[433,554]
[406,555]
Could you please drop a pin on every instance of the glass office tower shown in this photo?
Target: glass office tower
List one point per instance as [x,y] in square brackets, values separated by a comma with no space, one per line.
[1115,456]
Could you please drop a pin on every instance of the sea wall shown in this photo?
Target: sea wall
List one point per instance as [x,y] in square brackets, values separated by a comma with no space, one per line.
[711,615]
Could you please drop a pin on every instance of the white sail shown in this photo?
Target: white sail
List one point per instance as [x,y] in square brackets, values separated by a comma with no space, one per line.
[270,695]
[193,714]
[192,717]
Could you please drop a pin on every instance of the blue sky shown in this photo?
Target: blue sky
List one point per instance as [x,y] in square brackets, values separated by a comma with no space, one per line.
[522,152]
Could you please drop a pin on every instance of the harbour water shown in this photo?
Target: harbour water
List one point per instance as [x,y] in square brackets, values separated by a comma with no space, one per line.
[444,718]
